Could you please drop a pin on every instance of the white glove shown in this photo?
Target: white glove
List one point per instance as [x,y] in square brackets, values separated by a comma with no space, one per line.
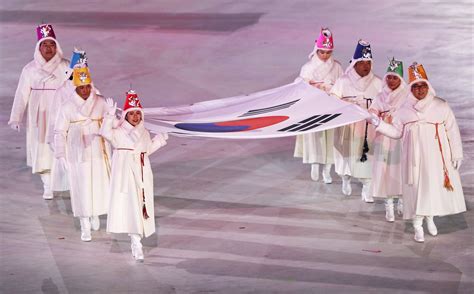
[111,106]
[162,137]
[63,163]
[15,126]
[457,163]
[373,119]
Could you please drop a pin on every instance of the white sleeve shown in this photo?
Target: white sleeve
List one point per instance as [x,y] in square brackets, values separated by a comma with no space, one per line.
[61,128]
[22,96]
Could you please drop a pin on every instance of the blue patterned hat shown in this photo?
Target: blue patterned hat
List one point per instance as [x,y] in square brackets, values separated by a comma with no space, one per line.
[363,51]
[78,58]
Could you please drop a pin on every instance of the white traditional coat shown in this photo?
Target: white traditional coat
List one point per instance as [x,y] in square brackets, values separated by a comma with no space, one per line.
[36,89]
[76,138]
[386,165]
[349,139]
[318,147]
[132,177]
[425,126]
[59,178]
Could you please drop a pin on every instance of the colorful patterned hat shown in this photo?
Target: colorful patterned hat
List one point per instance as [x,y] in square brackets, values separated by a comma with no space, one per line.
[396,67]
[45,31]
[325,40]
[131,101]
[363,51]
[81,76]
[416,72]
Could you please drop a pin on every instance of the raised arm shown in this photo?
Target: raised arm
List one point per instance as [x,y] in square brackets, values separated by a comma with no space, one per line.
[106,129]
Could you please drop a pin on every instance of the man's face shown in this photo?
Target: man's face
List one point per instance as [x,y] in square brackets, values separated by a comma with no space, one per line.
[393,82]
[420,90]
[47,49]
[84,91]
[324,54]
[134,117]
[363,67]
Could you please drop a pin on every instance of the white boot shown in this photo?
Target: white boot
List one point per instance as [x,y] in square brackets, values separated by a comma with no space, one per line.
[365,195]
[85,229]
[137,251]
[418,226]
[432,229]
[400,206]
[346,185]
[47,192]
[95,222]
[389,213]
[327,173]
[315,172]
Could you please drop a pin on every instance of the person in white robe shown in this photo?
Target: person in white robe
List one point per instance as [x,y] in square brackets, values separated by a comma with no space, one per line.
[35,93]
[431,154]
[58,174]
[352,143]
[386,165]
[131,208]
[321,71]
[83,152]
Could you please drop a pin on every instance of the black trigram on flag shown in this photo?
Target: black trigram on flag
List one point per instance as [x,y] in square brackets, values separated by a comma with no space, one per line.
[269,109]
[310,123]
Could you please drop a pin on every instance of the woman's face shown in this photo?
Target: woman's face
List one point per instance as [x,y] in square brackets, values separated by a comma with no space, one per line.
[393,82]
[324,54]
[134,117]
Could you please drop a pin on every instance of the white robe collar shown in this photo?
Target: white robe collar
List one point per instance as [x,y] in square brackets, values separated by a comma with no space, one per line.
[360,83]
[85,107]
[134,132]
[321,68]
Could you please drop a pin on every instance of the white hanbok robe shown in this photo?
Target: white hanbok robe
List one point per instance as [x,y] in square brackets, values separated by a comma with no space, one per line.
[76,138]
[387,156]
[425,126]
[131,184]
[318,147]
[35,93]
[59,178]
[349,139]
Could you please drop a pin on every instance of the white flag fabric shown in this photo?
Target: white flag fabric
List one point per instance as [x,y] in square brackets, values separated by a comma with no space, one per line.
[293,109]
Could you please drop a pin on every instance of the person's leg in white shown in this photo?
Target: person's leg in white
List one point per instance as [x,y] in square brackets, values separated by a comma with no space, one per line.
[315,171]
[95,222]
[85,229]
[389,211]
[400,206]
[47,192]
[327,173]
[418,226]
[346,185]
[365,195]
[432,229]
[137,250]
